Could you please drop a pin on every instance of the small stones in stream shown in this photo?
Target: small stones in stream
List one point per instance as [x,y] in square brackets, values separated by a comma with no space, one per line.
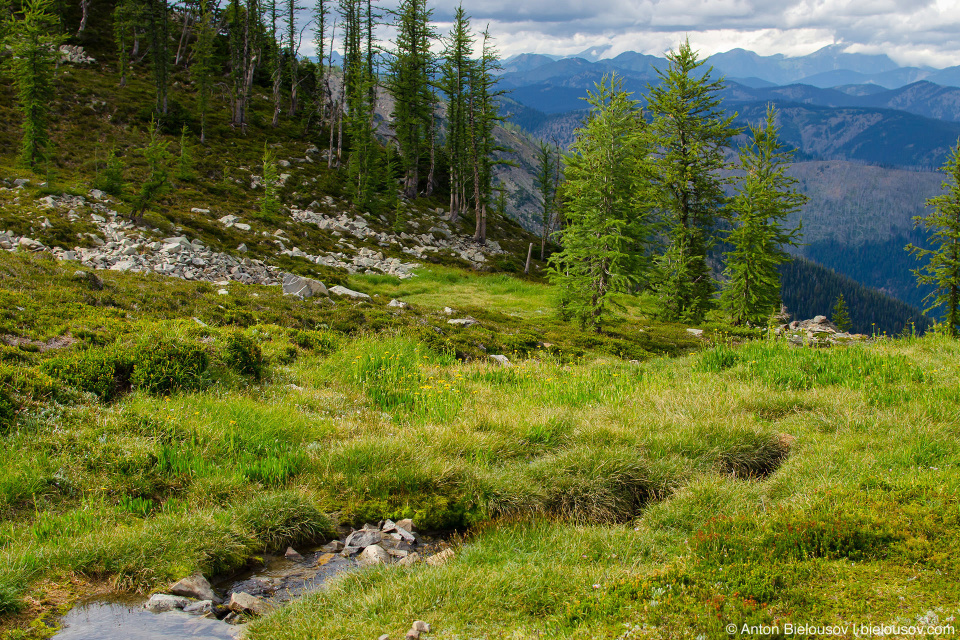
[292,555]
[161,603]
[196,586]
[245,603]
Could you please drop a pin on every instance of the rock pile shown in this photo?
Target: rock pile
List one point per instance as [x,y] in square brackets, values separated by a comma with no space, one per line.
[385,543]
[74,55]
[817,332]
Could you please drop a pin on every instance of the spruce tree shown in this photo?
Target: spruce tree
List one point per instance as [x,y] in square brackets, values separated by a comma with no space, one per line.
[158,26]
[157,180]
[841,314]
[690,133]
[34,43]
[606,237]
[546,183]
[942,268]
[122,24]
[484,116]
[410,70]
[203,65]
[270,202]
[764,198]
[455,76]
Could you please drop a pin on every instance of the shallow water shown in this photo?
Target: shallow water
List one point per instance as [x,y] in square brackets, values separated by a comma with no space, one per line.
[130,621]
[276,580]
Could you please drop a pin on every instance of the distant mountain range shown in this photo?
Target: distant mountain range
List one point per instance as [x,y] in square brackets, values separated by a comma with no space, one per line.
[868,136]
[828,67]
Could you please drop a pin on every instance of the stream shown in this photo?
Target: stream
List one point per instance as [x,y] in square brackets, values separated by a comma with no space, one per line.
[276,580]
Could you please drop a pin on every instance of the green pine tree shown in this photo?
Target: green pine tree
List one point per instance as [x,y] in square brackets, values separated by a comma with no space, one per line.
[841,314]
[410,70]
[455,83]
[942,269]
[607,230]
[157,157]
[203,65]
[691,133]
[544,180]
[185,170]
[110,180]
[270,202]
[34,42]
[765,197]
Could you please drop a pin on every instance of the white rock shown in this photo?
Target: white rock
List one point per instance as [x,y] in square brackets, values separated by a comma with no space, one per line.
[504,361]
[373,555]
[162,602]
[343,291]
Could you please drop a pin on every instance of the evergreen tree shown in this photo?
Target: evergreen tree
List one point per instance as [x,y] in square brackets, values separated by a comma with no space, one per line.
[270,202]
[484,115]
[157,181]
[185,170]
[607,231]
[410,69]
[203,65]
[942,269]
[548,158]
[765,197]
[358,86]
[158,25]
[454,82]
[690,133]
[110,180]
[841,315]
[34,43]
[122,24]
[293,50]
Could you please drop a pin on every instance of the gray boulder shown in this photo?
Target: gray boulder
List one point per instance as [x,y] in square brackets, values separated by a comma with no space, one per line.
[503,361]
[363,539]
[195,586]
[201,608]
[373,555]
[162,602]
[245,603]
[349,293]
[463,322]
[294,285]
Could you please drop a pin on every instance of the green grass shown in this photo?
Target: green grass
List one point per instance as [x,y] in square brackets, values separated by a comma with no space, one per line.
[755,483]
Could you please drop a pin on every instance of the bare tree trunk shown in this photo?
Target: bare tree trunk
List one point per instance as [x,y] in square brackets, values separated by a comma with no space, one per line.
[183,36]
[529,255]
[333,123]
[433,159]
[85,9]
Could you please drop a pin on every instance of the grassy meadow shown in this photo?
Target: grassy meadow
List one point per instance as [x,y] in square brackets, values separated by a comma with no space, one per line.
[638,484]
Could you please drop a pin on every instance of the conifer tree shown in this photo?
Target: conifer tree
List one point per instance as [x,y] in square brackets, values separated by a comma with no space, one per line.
[185,170]
[607,233]
[690,133]
[358,87]
[158,25]
[293,50]
[410,70]
[122,24]
[765,197]
[841,314]
[454,82]
[484,115]
[34,42]
[270,202]
[942,268]
[110,180]
[157,180]
[548,159]
[202,69]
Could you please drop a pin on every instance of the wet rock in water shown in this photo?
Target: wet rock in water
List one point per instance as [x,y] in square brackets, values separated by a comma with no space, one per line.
[162,602]
[349,552]
[374,554]
[199,608]
[440,558]
[245,603]
[335,546]
[292,555]
[363,538]
[196,586]
[407,525]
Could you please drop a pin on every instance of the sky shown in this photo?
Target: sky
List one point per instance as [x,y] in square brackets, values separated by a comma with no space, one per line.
[912,32]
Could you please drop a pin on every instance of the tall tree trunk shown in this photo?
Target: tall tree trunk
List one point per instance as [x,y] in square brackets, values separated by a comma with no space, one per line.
[85,12]
[183,36]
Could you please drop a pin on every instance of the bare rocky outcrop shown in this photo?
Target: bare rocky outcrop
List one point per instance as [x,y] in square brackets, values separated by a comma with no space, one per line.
[817,332]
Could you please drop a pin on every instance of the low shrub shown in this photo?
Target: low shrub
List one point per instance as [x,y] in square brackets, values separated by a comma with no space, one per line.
[281,519]
[242,354]
[102,372]
[167,364]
